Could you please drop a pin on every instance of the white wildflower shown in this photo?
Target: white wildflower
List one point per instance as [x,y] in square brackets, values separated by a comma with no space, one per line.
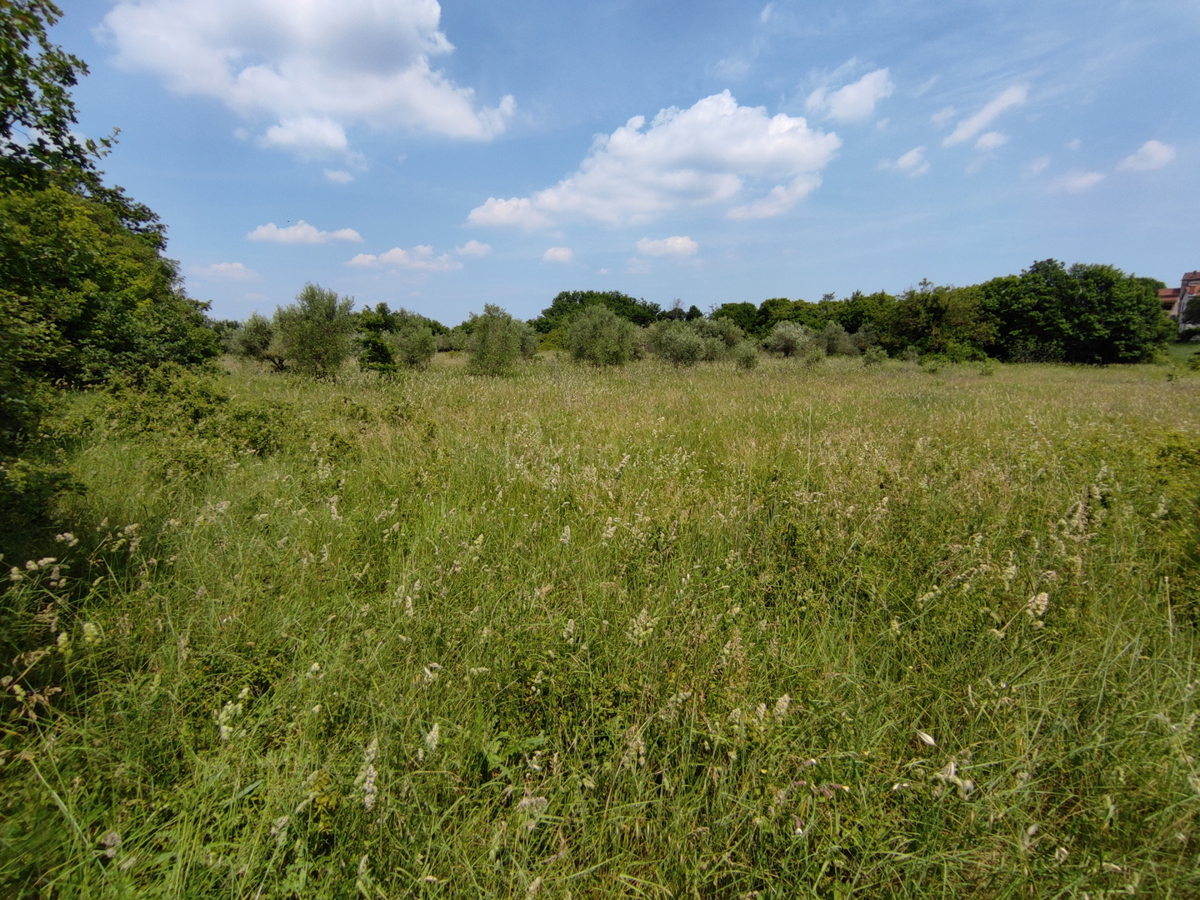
[566,535]
[781,706]
[642,628]
[432,737]
[67,538]
[430,673]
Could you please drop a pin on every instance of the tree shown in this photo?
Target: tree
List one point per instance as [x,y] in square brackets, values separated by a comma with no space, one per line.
[315,331]
[788,338]
[569,303]
[496,341]
[601,337]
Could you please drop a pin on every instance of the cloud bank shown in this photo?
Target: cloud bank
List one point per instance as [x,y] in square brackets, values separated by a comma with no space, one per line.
[695,157]
[418,259]
[301,233]
[317,67]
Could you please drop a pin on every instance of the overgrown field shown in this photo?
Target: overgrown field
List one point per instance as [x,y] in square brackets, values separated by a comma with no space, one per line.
[793,632]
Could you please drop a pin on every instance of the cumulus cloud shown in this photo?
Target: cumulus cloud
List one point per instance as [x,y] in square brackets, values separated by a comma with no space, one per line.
[558,254]
[912,163]
[418,259]
[339,176]
[991,140]
[225,272]
[316,67]
[473,248]
[678,245]
[1151,155]
[1077,182]
[973,125]
[692,157]
[301,233]
[854,102]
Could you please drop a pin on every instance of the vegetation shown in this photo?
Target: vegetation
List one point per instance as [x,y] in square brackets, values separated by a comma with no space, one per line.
[802,632]
[497,341]
[599,336]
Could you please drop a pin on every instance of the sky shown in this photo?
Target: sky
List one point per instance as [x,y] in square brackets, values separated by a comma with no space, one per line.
[440,157]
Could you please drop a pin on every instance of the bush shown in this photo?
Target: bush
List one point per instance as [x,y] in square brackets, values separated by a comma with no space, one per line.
[723,329]
[314,333]
[789,339]
[677,343]
[874,356]
[745,355]
[496,341]
[414,346]
[836,342]
[601,337]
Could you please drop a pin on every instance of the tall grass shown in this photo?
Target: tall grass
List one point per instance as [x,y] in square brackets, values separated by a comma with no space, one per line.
[790,632]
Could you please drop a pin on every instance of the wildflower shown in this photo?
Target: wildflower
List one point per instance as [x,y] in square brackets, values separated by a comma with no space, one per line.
[91,633]
[534,887]
[432,737]
[610,529]
[641,628]
[226,717]
[566,535]
[314,671]
[366,775]
[430,673]
[111,842]
[568,633]
[67,538]
[895,627]
[781,706]
[63,643]
[1036,608]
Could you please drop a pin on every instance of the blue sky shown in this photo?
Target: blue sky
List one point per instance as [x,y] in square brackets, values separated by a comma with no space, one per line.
[442,157]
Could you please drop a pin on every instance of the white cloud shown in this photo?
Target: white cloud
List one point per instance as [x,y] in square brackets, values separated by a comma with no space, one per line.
[1073,145]
[679,245]
[973,125]
[1151,155]
[418,259]
[692,157]
[943,116]
[1076,182]
[767,12]
[316,67]
[854,102]
[301,233]
[225,272]
[339,176]
[1038,166]
[637,266]
[912,163]
[781,198]
[473,248]
[991,140]
[558,254]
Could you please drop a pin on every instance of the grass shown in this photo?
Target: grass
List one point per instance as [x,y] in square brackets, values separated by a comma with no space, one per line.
[793,632]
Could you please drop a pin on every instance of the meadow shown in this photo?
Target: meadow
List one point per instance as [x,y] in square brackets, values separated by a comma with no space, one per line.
[826,631]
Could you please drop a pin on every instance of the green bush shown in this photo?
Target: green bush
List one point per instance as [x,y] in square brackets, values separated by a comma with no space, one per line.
[677,343]
[413,346]
[496,341]
[314,332]
[601,337]
[874,356]
[745,355]
[789,339]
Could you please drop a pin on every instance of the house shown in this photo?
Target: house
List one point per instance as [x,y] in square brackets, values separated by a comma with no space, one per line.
[1175,301]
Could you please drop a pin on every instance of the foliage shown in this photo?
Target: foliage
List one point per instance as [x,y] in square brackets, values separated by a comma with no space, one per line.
[788,338]
[569,303]
[874,356]
[257,340]
[678,343]
[497,341]
[723,329]
[315,332]
[745,355]
[599,336]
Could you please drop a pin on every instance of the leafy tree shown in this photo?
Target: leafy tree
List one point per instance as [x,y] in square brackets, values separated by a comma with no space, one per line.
[569,303]
[744,315]
[788,338]
[496,341]
[941,320]
[256,339]
[601,337]
[315,331]
[678,343]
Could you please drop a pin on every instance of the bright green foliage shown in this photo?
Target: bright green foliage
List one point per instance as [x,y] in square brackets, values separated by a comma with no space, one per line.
[413,346]
[567,304]
[874,356]
[497,341]
[601,337]
[256,339]
[315,332]
[744,315]
[947,321]
[104,300]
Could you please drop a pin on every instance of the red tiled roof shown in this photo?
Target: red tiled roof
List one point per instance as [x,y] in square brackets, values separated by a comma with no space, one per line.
[1169,293]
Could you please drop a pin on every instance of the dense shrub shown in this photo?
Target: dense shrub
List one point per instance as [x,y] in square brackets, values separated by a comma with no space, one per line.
[601,337]
[677,343]
[315,332]
[496,341]
[745,355]
[788,338]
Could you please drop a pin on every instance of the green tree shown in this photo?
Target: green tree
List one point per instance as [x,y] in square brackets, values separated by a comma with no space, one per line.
[496,341]
[601,337]
[315,332]
[568,304]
